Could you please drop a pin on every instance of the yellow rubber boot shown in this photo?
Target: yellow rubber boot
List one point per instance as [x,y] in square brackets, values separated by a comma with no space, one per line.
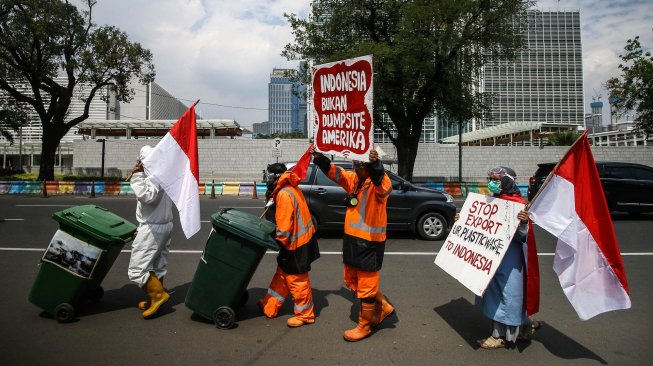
[364,327]
[382,309]
[157,295]
[144,305]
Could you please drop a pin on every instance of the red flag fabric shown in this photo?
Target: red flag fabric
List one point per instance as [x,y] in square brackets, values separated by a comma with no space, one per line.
[174,165]
[532,283]
[301,168]
[587,260]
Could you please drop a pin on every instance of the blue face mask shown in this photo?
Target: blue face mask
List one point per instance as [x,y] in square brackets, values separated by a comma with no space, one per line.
[494,186]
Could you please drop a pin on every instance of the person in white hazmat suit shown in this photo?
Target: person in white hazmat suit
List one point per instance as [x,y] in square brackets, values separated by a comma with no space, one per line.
[150,248]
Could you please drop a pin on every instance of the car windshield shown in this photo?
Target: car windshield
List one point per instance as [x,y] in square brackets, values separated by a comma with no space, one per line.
[544,169]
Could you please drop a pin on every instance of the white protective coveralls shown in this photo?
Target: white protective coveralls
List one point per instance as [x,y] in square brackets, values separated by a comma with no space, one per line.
[151,246]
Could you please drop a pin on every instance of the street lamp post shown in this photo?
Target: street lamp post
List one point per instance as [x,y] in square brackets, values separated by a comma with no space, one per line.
[460,150]
[102,169]
[20,148]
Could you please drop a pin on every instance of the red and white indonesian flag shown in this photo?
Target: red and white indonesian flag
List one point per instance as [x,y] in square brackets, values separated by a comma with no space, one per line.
[173,164]
[587,260]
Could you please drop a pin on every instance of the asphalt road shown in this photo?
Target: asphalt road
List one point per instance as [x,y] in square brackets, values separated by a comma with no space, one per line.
[435,323]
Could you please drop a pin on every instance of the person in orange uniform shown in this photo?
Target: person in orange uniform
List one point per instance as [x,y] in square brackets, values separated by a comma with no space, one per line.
[368,189]
[296,234]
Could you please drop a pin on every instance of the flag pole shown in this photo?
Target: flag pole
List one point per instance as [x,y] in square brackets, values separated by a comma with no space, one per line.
[264,212]
[548,177]
[194,104]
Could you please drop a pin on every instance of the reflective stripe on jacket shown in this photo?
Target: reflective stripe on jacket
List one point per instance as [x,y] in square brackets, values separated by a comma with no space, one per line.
[294,225]
[372,200]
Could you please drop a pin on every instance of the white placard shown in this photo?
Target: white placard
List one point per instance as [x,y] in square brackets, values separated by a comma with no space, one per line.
[478,241]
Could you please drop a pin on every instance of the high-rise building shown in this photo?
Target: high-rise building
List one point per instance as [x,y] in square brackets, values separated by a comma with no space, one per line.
[543,84]
[429,131]
[594,121]
[545,81]
[262,128]
[286,102]
[150,102]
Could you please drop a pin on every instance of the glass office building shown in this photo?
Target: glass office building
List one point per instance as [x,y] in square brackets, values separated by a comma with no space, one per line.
[287,108]
[545,82]
[429,131]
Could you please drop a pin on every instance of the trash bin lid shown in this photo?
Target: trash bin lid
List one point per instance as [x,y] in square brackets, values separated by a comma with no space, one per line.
[248,226]
[97,222]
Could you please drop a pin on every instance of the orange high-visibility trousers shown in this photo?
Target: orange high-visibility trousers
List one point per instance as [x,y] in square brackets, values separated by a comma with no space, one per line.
[365,284]
[283,285]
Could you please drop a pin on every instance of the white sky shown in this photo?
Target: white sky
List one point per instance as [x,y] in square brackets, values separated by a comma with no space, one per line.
[222,52]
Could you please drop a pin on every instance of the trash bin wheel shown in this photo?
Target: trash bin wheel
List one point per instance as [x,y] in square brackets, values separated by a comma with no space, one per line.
[224,317]
[64,313]
[97,294]
[243,298]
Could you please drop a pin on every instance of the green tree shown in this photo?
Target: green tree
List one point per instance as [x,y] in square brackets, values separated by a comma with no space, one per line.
[562,138]
[633,90]
[285,135]
[427,55]
[42,40]
[12,117]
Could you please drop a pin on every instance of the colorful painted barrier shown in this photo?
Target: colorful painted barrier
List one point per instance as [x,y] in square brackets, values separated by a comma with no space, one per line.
[126,189]
[99,187]
[230,188]
[82,188]
[246,189]
[453,189]
[17,188]
[51,186]
[5,186]
[220,188]
[217,188]
[112,188]
[261,188]
[66,188]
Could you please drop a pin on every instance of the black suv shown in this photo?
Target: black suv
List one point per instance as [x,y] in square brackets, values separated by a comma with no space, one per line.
[627,186]
[427,212]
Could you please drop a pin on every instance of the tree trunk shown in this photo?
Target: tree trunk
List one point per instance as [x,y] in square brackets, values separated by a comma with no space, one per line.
[49,144]
[406,154]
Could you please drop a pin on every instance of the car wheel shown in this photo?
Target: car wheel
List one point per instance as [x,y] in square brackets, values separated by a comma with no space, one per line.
[432,226]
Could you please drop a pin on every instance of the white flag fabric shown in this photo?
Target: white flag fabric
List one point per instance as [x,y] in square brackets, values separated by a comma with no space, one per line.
[587,259]
[173,164]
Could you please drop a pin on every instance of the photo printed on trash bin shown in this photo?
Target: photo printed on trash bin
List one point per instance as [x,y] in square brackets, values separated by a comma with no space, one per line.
[72,254]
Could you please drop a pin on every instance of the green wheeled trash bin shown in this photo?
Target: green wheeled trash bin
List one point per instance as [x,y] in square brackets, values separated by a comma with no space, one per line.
[78,258]
[234,249]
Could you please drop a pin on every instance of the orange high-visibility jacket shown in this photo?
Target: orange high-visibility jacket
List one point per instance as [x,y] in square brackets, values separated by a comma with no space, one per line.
[294,225]
[368,219]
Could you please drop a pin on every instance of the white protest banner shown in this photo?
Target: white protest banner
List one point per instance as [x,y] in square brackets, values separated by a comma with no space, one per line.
[478,241]
[342,107]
